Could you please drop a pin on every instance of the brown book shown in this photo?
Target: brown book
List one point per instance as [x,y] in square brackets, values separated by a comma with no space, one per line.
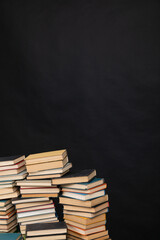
[89,191]
[46,156]
[53,195]
[83,226]
[84,220]
[77,177]
[70,237]
[47,206]
[90,203]
[86,231]
[35,183]
[89,237]
[53,219]
[31,177]
[46,165]
[86,209]
[8,190]
[39,190]
[85,214]
[10,195]
[32,204]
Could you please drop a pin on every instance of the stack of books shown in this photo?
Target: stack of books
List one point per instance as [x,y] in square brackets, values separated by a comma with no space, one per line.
[11,168]
[34,210]
[8,219]
[47,165]
[85,205]
[11,236]
[46,231]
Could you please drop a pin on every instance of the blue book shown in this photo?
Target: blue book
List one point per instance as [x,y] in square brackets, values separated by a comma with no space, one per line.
[10,236]
[85,186]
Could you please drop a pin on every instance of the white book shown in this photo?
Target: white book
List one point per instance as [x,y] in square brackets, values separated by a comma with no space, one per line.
[82,196]
[34,213]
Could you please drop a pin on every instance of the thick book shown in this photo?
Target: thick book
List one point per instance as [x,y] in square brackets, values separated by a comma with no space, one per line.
[86,231]
[89,191]
[46,156]
[46,165]
[86,186]
[85,214]
[84,226]
[46,229]
[82,196]
[78,177]
[10,160]
[53,171]
[74,235]
[10,236]
[89,203]
[86,209]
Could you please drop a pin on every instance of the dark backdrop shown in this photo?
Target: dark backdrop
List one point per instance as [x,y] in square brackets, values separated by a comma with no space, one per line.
[83,75]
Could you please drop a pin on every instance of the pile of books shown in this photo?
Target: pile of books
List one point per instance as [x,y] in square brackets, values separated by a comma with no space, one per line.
[8,219]
[47,165]
[46,231]
[85,205]
[34,210]
[11,169]
[11,236]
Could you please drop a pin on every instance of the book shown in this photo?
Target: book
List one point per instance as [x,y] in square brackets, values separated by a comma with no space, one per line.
[6,207]
[32,204]
[36,217]
[18,176]
[47,176]
[46,156]
[53,219]
[10,236]
[10,160]
[83,226]
[28,200]
[82,196]
[7,221]
[46,229]
[11,229]
[75,235]
[81,176]
[39,190]
[85,220]
[47,206]
[85,214]
[9,226]
[86,209]
[53,171]
[8,190]
[10,195]
[12,171]
[4,202]
[53,195]
[12,184]
[85,186]
[15,166]
[89,191]
[35,183]
[46,165]
[34,213]
[86,231]
[51,237]
[7,211]
[89,203]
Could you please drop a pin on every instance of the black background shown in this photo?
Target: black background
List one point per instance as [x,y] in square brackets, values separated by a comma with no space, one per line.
[83,75]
